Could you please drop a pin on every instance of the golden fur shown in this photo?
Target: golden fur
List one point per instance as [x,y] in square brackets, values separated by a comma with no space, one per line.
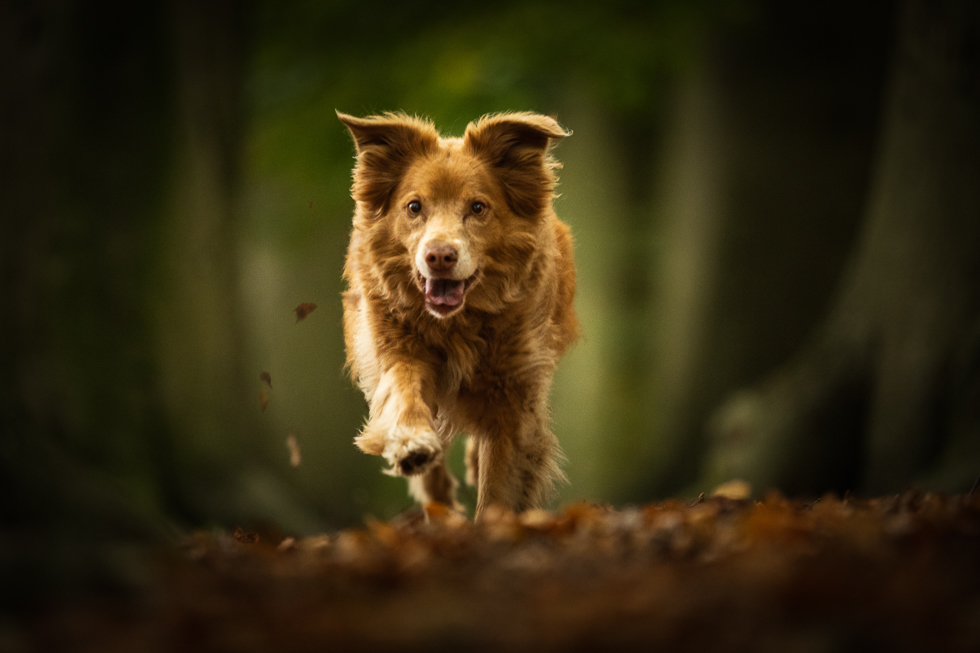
[459,303]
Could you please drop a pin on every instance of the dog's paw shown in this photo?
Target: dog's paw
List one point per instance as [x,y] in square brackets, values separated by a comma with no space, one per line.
[411,452]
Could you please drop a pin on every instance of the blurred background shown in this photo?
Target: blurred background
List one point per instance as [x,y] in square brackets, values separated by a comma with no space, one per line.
[774,207]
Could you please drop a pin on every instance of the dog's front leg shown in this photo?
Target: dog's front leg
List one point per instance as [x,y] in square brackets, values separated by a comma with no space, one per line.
[400,426]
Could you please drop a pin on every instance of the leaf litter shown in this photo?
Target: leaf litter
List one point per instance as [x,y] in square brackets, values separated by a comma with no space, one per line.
[889,573]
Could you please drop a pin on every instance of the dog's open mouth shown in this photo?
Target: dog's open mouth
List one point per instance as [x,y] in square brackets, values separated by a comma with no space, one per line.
[444,296]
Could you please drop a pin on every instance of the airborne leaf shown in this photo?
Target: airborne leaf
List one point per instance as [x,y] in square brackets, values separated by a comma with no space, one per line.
[303,310]
[294,455]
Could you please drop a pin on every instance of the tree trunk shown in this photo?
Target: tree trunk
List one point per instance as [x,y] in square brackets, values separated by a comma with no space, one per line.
[892,378]
[763,180]
[198,320]
[122,397]
[85,132]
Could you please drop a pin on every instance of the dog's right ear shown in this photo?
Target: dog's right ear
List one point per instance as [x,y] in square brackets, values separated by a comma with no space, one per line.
[385,145]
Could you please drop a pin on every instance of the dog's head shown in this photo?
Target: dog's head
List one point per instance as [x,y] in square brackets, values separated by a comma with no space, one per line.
[451,221]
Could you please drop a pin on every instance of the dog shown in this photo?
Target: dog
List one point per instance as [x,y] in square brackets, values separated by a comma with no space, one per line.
[459,302]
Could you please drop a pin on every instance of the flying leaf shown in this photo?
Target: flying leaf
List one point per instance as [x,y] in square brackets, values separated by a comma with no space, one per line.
[294,457]
[303,310]
[266,378]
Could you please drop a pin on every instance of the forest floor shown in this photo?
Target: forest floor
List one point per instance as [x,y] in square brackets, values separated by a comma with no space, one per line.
[897,573]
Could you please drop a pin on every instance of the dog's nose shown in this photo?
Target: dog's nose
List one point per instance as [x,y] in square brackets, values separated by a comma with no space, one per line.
[441,257]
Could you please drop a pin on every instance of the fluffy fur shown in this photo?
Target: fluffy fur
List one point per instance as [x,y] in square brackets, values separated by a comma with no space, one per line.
[459,302]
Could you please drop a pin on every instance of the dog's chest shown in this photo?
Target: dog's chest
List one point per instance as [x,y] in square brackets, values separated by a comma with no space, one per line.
[460,363]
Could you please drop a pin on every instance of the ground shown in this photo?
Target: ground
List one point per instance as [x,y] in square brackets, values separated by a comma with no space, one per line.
[897,573]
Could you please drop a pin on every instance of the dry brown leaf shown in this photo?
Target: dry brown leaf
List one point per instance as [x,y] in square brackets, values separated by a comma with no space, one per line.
[443,515]
[266,378]
[245,538]
[537,519]
[315,542]
[294,455]
[263,398]
[436,511]
[735,489]
[303,310]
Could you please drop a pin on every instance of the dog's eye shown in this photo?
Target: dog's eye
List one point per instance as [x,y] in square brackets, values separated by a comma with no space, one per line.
[478,208]
[415,207]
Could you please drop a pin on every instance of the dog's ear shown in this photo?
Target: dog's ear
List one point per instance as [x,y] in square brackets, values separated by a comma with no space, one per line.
[385,145]
[516,145]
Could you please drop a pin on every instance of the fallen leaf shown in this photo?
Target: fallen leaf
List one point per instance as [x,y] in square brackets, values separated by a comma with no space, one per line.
[315,542]
[735,489]
[537,519]
[263,398]
[294,457]
[443,515]
[303,310]
[266,378]
[245,538]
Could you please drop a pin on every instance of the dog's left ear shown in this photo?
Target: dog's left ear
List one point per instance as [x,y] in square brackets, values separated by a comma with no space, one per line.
[516,145]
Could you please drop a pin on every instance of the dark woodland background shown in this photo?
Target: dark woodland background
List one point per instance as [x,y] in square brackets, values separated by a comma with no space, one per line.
[776,209]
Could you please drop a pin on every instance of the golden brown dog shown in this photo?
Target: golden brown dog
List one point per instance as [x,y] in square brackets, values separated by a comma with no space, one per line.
[459,305]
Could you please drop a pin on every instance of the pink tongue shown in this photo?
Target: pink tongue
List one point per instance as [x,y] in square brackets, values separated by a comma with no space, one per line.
[445,292]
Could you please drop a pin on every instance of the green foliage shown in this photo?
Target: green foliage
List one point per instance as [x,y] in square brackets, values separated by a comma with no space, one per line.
[452,62]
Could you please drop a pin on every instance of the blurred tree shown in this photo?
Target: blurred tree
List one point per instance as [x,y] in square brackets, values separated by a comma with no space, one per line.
[888,388]
[123,401]
[85,121]
[220,447]
[763,179]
